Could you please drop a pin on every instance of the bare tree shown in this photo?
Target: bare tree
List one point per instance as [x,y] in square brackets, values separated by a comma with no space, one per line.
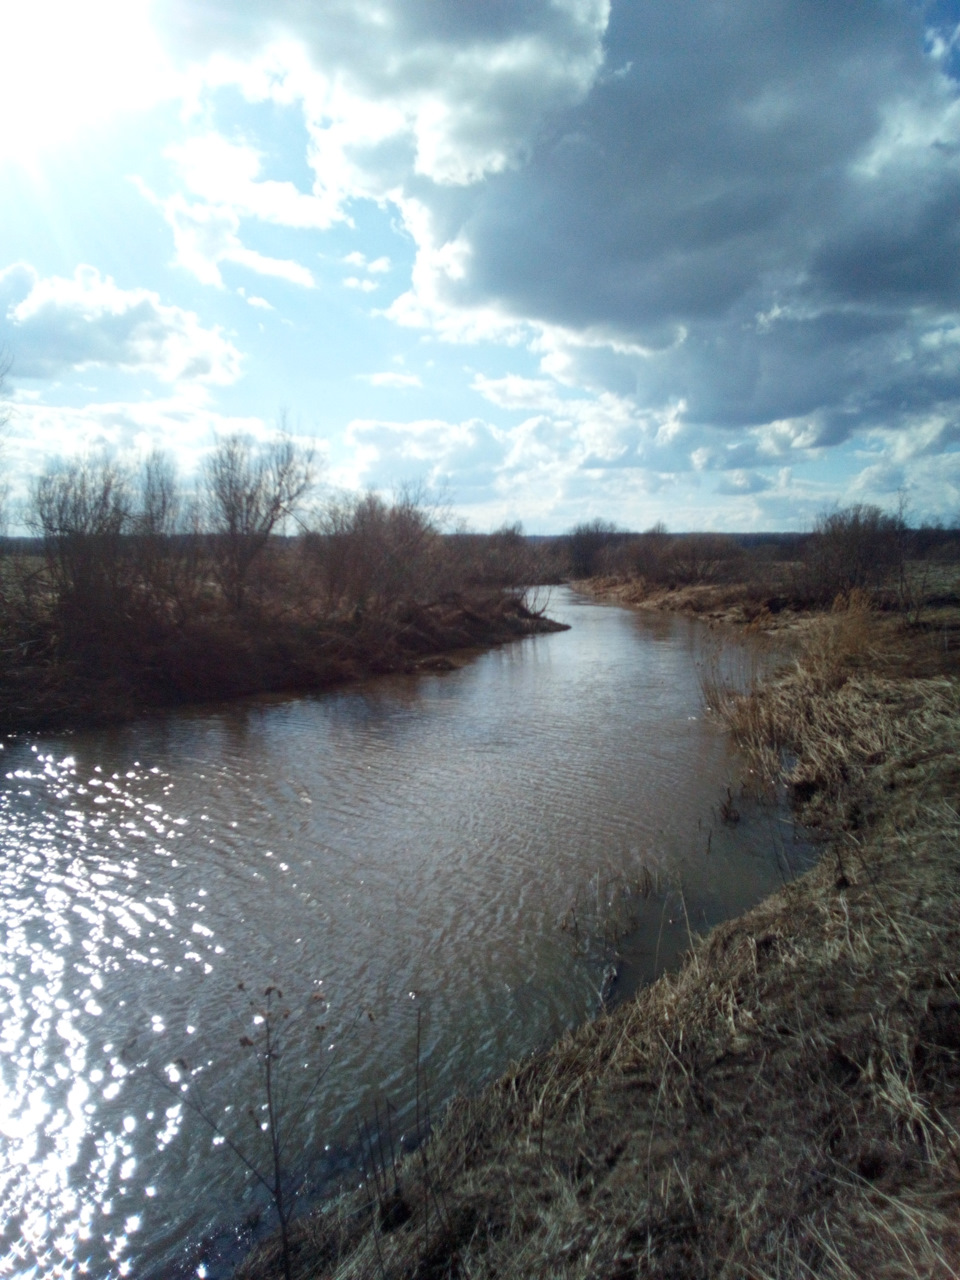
[82,509]
[585,543]
[167,539]
[371,554]
[857,547]
[248,494]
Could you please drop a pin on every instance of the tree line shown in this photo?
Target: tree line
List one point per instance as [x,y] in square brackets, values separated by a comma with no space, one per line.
[859,547]
[137,589]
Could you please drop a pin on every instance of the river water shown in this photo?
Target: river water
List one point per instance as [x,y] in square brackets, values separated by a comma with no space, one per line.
[457,857]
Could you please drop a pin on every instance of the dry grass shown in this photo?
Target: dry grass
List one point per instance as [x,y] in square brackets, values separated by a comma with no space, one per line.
[785,1106]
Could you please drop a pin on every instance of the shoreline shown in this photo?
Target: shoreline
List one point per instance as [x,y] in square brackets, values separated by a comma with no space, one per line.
[786,1102]
[196,669]
[733,604]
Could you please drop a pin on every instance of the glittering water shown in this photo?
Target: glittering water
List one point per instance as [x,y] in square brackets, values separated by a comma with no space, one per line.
[417,842]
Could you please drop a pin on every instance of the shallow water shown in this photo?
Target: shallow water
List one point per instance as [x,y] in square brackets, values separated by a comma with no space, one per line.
[472,845]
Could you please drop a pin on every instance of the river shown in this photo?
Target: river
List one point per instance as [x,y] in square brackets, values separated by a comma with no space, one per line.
[461,853]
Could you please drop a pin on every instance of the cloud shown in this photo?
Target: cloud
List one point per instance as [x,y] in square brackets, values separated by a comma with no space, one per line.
[447,91]
[227,173]
[378,267]
[54,324]
[734,220]
[431,449]
[744,482]
[206,235]
[879,478]
[731,234]
[391,378]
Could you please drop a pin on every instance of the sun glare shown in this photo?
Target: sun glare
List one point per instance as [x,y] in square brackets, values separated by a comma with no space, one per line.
[66,66]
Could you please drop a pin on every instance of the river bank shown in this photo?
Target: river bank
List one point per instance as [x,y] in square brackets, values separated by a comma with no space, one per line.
[213,656]
[786,1103]
[927,600]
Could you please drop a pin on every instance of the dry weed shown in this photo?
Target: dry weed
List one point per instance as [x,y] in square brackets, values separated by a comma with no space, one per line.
[786,1105]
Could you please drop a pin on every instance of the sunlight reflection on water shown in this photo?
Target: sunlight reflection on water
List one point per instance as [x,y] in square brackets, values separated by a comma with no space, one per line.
[416,837]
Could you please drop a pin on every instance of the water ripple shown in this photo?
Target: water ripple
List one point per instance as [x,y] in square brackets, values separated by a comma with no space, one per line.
[412,843]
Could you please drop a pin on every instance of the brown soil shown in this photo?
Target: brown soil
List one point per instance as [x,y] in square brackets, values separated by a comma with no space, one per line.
[737,603]
[788,1103]
[929,602]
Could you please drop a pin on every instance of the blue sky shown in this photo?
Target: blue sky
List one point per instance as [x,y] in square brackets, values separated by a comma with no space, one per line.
[555,259]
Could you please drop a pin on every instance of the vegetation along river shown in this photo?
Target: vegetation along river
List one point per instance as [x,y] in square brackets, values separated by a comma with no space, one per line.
[473,846]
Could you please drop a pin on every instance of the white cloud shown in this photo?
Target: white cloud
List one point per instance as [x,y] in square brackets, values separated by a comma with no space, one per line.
[452,92]
[431,449]
[354,282]
[743,482]
[390,378]
[227,174]
[206,235]
[378,267]
[55,324]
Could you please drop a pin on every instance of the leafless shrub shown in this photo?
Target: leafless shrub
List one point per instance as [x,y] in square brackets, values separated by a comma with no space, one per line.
[5,363]
[166,543]
[705,557]
[144,596]
[685,559]
[586,544]
[248,493]
[367,552]
[504,558]
[82,509]
[858,547]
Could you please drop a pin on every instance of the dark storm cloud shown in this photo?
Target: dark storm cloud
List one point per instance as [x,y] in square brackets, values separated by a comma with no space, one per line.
[717,159]
[468,79]
[768,196]
[747,210]
[899,245]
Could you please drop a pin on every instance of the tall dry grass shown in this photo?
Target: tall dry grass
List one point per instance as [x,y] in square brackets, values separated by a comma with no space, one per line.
[787,1105]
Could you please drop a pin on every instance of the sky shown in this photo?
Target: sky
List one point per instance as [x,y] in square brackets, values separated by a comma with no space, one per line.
[553,260]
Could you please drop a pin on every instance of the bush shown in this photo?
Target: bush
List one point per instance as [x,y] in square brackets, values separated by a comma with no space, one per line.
[367,553]
[248,495]
[856,548]
[586,544]
[683,559]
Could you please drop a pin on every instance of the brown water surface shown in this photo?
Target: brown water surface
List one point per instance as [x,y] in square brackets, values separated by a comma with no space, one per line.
[467,845]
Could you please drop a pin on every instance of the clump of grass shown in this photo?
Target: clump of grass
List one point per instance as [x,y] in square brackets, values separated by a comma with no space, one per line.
[788,1103]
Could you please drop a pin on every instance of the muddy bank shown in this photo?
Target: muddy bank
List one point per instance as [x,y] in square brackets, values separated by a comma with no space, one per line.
[217,657]
[787,1103]
[737,603]
[927,600]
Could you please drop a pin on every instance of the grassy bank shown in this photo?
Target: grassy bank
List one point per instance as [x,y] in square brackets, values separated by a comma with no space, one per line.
[787,1104]
[215,654]
[136,594]
[927,601]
